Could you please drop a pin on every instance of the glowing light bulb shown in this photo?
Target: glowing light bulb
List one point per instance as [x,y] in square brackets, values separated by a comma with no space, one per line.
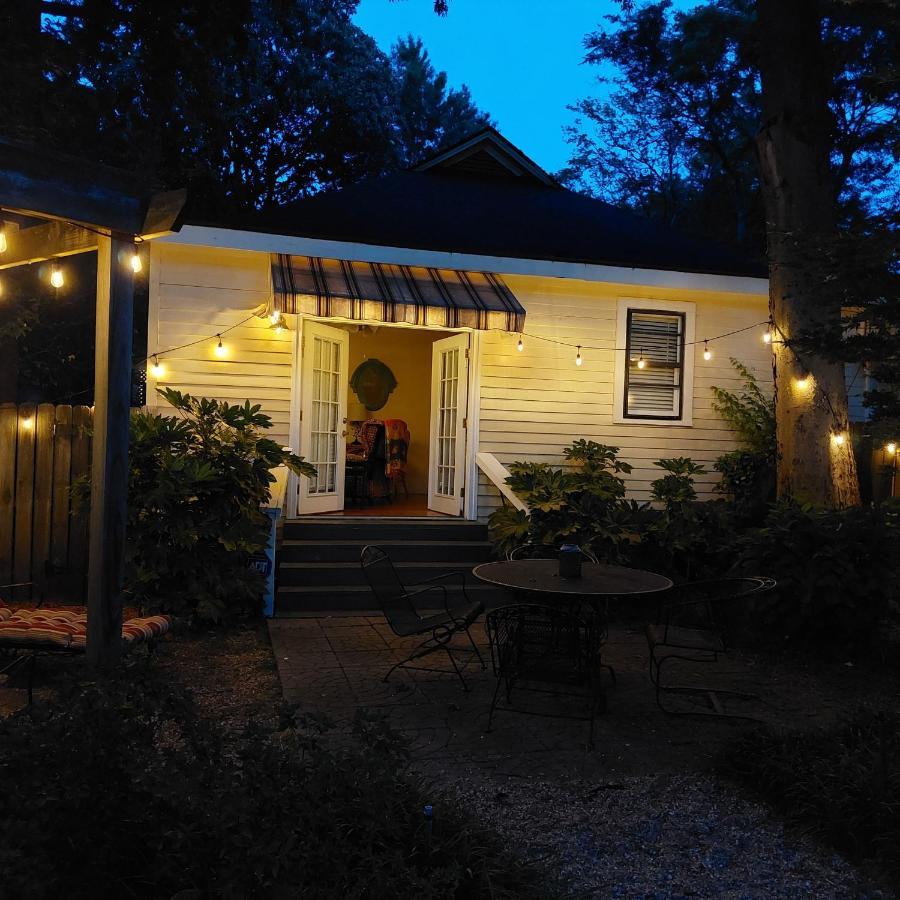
[520,346]
[838,438]
[3,243]
[578,359]
[890,447]
[220,349]
[641,363]
[803,382]
[157,370]
[27,423]
[767,337]
[56,276]
[136,264]
[707,353]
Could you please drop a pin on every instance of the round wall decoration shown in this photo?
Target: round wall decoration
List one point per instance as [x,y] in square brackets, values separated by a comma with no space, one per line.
[373,382]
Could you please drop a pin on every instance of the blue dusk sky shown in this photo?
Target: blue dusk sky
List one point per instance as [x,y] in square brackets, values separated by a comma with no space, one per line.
[521,59]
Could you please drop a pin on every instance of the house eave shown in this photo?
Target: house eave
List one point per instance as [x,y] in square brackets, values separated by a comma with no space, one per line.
[267,242]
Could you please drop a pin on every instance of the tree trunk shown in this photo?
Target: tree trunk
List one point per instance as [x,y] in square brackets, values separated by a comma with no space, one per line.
[815,457]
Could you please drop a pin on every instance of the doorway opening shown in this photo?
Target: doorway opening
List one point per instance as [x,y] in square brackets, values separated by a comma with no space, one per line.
[383,412]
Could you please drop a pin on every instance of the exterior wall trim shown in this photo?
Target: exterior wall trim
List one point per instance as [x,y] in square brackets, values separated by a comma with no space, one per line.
[262,242]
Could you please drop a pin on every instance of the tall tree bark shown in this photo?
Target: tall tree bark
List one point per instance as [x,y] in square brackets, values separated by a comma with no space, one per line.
[815,456]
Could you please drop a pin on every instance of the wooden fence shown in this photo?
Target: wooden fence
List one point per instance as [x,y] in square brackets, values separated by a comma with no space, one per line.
[43,449]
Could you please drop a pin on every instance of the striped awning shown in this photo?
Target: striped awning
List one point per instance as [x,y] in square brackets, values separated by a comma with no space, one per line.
[381,292]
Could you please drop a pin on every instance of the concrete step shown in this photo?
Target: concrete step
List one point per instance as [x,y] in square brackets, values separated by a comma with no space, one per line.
[374,530]
[400,551]
[295,600]
[328,574]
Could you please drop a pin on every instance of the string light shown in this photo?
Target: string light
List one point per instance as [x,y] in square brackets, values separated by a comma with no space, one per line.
[890,447]
[803,381]
[157,370]
[27,423]
[578,357]
[56,276]
[3,244]
[707,353]
[220,350]
[838,438]
[767,335]
[520,346]
[641,363]
[136,264]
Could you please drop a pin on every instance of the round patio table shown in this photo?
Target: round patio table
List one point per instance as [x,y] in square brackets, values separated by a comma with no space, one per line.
[598,580]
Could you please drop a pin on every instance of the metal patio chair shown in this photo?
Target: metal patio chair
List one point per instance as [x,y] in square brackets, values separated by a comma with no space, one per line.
[406,619]
[543,551]
[550,551]
[691,626]
[546,650]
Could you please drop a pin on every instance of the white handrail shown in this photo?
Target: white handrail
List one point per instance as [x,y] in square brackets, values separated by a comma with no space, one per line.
[497,474]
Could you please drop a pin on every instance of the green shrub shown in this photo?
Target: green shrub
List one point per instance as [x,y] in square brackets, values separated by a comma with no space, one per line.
[196,484]
[841,783]
[837,574]
[748,474]
[583,503]
[121,790]
[683,538]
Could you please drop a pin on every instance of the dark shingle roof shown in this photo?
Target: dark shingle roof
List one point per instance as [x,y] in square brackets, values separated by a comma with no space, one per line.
[480,207]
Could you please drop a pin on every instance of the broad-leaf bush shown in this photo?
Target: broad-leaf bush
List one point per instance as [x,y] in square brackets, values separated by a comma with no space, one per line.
[120,790]
[841,783]
[196,484]
[748,474]
[582,502]
[838,575]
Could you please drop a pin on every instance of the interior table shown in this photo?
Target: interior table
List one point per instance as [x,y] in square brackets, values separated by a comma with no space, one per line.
[597,581]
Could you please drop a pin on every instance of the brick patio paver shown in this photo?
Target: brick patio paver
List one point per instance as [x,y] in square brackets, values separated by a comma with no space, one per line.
[336,665]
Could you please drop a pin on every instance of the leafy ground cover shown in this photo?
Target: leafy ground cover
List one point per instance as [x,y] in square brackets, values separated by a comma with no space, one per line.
[126,785]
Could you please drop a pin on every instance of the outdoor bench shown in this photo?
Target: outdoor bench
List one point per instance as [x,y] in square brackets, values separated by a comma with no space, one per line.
[26,632]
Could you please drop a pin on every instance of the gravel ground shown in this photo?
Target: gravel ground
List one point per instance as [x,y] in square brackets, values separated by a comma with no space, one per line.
[659,837]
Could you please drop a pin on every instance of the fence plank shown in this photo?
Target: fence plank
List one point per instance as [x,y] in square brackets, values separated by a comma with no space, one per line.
[62,461]
[8,420]
[43,491]
[24,494]
[81,465]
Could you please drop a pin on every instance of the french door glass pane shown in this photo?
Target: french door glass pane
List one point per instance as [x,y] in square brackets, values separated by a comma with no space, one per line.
[325,414]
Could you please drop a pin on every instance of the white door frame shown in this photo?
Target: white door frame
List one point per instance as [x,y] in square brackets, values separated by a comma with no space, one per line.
[333,501]
[452,503]
[470,501]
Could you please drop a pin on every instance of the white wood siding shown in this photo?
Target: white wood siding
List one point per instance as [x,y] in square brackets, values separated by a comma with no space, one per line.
[535,403]
[196,292]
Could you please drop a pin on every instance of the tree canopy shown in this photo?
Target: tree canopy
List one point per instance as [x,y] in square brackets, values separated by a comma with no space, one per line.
[249,103]
[675,138]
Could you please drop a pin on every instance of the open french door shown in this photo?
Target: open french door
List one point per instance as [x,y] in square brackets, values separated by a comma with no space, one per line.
[323,416]
[449,395]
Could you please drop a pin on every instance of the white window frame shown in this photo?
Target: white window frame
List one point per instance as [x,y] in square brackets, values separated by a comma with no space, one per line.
[689,310]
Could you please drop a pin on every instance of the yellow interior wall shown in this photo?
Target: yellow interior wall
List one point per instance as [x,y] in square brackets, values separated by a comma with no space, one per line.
[407,353]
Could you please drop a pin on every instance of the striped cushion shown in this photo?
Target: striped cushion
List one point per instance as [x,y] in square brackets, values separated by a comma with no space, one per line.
[67,629]
[134,631]
[24,631]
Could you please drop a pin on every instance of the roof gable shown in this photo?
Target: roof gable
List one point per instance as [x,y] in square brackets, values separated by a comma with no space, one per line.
[486,154]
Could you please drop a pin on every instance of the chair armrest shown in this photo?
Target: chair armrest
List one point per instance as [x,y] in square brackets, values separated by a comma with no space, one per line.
[418,591]
[443,577]
[20,584]
[670,616]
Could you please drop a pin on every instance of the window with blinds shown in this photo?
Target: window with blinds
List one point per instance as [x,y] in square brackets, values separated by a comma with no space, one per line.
[654,361]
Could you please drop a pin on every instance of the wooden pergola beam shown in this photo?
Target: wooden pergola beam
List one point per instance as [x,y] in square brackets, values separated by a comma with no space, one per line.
[55,239]
[109,462]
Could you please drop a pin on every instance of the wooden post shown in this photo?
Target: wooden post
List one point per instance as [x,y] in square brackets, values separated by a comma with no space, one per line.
[109,465]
